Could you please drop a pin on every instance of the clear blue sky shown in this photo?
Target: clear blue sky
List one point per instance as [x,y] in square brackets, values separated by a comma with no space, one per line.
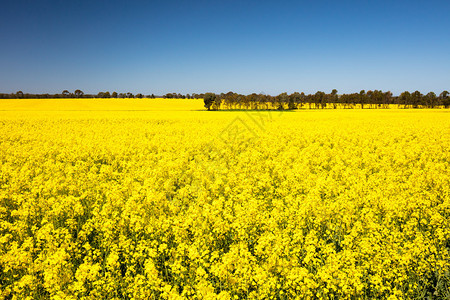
[243,46]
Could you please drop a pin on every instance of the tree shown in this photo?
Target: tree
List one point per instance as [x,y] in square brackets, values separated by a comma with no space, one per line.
[445,99]
[387,98]
[65,93]
[19,94]
[114,95]
[294,99]
[334,98]
[416,99]
[431,99]
[404,99]
[320,99]
[362,98]
[217,102]
[209,99]
[78,93]
[281,99]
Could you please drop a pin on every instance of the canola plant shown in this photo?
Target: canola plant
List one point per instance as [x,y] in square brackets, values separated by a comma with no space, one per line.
[165,204]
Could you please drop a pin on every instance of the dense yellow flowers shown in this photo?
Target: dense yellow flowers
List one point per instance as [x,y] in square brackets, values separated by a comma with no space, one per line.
[152,203]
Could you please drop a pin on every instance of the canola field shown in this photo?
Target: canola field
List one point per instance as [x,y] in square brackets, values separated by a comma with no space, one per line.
[159,199]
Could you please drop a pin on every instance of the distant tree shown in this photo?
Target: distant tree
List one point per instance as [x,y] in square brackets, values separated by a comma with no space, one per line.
[387,99]
[139,95]
[416,99]
[281,100]
[114,95]
[404,99]
[362,98]
[369,98]
[320,99]
[431,100]
[130,95]
[106,95]
[65,93]
[294,100]
[445,99]
[209,99]
[19,94]
[302,99]
[217,102]
[78,93]
[334,98]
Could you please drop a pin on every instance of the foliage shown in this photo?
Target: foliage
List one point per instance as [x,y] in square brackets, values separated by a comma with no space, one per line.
[209,99]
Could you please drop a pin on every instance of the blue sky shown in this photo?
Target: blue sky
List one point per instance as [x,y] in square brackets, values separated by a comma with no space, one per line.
[220,46]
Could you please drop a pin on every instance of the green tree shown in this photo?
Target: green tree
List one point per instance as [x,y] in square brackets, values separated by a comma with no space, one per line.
[65,93]
[209,99]
[334,98]
[78,93]
[387,98]
[416,99]
[282,99]
[431,99]
[217,102]
[405,99]
[320,99]
[445,99]
[362,98]
[294,99]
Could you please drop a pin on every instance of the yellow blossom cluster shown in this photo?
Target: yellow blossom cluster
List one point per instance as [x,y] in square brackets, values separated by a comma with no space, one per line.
[161,204]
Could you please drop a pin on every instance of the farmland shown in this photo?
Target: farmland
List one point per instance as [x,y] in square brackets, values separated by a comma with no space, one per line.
[152,198]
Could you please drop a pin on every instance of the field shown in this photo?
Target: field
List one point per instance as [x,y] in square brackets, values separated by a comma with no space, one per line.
[159,199]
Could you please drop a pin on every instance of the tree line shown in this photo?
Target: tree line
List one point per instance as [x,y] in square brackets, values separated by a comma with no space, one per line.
[75,94]
[363,99]
[231,100]
[107,94]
